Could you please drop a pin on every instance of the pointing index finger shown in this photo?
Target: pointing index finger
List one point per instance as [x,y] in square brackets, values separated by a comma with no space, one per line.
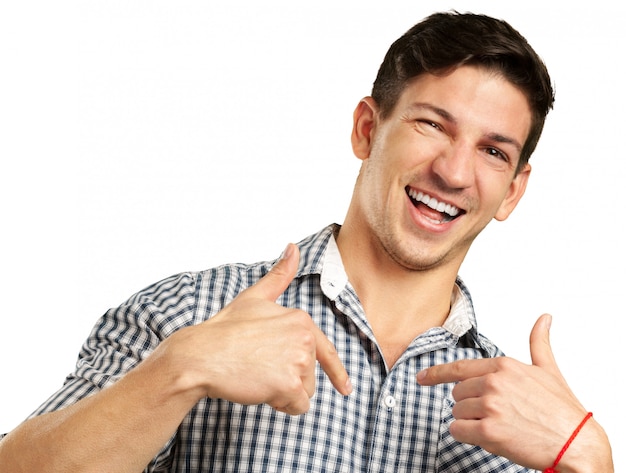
[456,371]
[330,362]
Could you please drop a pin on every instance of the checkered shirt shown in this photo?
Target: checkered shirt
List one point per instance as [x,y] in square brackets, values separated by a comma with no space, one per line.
[388,424]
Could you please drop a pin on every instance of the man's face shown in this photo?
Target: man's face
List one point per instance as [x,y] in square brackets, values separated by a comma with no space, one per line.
[441,166]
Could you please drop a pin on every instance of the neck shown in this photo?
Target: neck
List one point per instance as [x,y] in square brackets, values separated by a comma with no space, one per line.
[399,303]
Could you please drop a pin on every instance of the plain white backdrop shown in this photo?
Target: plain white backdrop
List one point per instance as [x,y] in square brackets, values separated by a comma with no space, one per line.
[143,138]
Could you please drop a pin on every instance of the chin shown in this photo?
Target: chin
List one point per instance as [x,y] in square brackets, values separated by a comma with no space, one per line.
[415,260]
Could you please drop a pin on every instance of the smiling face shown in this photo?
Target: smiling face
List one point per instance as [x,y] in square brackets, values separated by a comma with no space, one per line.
[439,167]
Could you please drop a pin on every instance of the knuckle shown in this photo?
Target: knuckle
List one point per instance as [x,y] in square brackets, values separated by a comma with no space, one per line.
[292,388]
[490,431]
[293,406]
[491,381]
[484,429]
[329,348]
[433,375]
[496,408]
[459,368]
[504,363]
[456,410]
[303,360]
[301,316]
[456,391]
[490,406]
[308,340]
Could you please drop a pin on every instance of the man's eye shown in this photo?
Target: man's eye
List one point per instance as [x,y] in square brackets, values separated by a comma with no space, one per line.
[496,153]
[429,124]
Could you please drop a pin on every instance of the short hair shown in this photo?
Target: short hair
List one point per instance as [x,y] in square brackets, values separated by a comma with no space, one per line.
[444,41]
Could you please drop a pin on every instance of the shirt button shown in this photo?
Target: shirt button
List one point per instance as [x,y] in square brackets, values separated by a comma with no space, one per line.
[390,401]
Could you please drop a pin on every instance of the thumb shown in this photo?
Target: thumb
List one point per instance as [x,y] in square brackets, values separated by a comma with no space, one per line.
[274,283]
[540,348]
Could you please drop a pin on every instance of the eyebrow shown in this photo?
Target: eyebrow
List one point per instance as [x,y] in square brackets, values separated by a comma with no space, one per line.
[439,111]
[497,137]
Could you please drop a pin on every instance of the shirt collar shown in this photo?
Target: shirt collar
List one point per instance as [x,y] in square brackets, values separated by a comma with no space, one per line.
[334,277]
[461,317]
[320,255]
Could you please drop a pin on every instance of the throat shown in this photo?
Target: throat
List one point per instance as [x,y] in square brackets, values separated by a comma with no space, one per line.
[393,351]
[394,332]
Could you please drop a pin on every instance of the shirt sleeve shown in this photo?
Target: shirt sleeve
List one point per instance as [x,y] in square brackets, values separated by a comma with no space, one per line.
[126,335]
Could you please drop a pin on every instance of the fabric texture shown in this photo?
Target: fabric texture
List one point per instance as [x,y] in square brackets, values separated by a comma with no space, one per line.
[388,424]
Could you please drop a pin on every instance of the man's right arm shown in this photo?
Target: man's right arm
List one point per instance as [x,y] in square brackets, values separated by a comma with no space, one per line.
[252,352]
[120,428]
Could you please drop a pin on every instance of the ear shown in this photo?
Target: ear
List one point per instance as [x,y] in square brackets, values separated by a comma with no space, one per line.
[364,119]
[514,194]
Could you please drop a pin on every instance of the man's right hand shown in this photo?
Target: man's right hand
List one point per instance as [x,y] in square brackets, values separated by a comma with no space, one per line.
[255,351]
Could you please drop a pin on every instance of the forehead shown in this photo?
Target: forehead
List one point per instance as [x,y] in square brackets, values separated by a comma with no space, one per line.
[471,96]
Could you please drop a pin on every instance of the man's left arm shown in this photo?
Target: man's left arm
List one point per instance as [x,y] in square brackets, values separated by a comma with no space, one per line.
[526,413]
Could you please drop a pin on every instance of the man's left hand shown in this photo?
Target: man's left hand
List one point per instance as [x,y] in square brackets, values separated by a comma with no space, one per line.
[523,412]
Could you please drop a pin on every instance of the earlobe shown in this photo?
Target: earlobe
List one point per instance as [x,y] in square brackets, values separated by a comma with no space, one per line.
[514,194]
[362,127]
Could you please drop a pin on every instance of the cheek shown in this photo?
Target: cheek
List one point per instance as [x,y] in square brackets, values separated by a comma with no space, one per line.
[377,191]
[492,195]
[390,164]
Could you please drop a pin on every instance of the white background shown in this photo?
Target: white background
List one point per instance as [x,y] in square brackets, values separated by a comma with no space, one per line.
[140,139]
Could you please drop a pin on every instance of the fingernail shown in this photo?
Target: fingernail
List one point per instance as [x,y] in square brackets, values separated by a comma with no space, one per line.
[287,252]
[348,386]
[548,322]
[421,375]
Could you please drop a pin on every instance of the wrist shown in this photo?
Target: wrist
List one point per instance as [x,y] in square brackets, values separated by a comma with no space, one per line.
[174,371]
[589,451]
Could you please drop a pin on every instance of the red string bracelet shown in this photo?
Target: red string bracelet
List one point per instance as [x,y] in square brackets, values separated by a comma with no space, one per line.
[552,469]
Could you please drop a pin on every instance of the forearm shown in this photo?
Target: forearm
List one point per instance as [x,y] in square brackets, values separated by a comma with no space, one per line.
[252,352]
[119,429]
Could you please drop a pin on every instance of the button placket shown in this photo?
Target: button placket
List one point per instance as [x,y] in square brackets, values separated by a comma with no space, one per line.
[389,401]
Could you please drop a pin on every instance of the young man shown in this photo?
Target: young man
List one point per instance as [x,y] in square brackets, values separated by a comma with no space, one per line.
[216,371]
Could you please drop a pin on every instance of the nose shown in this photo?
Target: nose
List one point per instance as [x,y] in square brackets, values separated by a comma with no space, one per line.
[455,166]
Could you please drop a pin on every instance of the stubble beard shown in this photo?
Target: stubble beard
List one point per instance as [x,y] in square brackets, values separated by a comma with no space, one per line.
[410,256]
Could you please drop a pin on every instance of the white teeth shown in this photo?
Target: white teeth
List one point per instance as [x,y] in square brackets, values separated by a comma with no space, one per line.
[434,203]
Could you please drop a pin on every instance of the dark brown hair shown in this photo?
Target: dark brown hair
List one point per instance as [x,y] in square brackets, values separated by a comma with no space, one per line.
[444,41]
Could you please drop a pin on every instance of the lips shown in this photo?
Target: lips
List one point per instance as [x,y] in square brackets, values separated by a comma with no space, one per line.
[447,211]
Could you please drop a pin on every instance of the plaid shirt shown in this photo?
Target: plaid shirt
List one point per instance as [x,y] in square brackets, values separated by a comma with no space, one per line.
[388,424]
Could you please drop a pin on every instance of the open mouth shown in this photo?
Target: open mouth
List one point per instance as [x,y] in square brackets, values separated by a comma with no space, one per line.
[447,212]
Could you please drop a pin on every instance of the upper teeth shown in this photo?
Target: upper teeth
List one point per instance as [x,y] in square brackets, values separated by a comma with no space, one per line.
[434,203]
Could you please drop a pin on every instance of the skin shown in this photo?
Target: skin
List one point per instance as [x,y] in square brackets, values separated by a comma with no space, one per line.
[445,137]
[523,412]
[456,138]
[461,145]
[254,351]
